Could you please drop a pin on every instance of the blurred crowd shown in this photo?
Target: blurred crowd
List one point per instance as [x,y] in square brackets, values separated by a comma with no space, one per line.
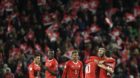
[29,26]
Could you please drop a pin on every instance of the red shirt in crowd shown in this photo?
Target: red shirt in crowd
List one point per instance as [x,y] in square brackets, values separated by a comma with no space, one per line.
[73,70]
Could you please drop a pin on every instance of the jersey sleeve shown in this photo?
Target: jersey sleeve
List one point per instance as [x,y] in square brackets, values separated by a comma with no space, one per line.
[55,66]
[113,65]
[37,68]
[110,60]
[31,71]
[64,75]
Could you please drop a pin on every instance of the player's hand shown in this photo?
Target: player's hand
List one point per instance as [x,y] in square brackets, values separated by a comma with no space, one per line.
[109,69]
[102,66]
[96,61]
[101,62]
[109,74]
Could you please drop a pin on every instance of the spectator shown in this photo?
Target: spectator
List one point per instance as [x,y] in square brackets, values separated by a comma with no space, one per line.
[27,26]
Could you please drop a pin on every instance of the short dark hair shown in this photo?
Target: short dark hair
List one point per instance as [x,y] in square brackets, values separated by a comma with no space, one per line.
[51,51]
[108,53]
[75,51]
[36,54]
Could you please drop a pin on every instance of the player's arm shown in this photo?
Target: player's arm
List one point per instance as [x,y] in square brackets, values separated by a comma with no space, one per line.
[81,71]
[64,75]
[50,71]
[113,66]
[110,60]
[30,70]
[107,68]
[54,71]
[55,68]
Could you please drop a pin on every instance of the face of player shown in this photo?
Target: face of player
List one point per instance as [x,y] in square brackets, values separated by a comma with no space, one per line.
[75,56]
[37,59]
[50,54]
[101,52]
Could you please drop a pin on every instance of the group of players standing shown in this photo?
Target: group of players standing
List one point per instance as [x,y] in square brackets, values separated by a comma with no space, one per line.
[99,66]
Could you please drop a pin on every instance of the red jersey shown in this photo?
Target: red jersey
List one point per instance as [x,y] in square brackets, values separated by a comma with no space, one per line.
[33,70]
[109,62]
[91,67]
[73,70]
[53,66]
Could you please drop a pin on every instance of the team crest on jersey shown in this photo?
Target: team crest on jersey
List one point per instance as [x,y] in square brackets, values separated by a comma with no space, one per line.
[72,66]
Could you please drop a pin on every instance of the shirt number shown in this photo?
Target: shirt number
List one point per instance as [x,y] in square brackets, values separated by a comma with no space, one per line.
[87,68]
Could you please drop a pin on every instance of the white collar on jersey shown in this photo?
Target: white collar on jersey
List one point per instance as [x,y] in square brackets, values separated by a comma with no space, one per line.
[75,62]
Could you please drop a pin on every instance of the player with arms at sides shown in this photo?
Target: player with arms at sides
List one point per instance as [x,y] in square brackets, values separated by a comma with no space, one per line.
[34,68]
[51,65]
[91,68]
[74,67]
[106,64]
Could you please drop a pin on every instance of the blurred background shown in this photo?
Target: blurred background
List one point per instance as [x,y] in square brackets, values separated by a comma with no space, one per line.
[30,26]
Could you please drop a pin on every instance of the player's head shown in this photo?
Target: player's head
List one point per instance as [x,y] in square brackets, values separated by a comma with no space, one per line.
[108,53]
[75,55]
[50,54]
[101,52]
[37,58]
